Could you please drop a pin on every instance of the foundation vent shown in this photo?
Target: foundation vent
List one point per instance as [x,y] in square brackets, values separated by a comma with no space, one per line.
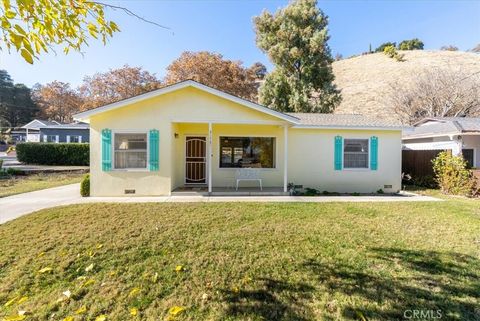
[129,191]
[387,186]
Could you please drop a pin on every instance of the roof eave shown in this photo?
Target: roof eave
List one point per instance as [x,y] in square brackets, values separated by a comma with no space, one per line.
[392,128]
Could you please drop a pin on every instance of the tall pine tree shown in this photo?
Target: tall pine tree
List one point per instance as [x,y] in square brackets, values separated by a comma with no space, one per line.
[16,104]
[295,39]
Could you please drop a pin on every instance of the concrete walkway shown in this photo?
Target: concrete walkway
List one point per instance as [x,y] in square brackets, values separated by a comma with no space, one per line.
[18,205]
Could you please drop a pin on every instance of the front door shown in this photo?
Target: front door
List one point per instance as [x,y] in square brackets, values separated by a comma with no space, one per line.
[195,160]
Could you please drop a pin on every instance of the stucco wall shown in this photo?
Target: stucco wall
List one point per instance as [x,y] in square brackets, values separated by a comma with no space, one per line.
[160,113]
[311,161]
[310,151]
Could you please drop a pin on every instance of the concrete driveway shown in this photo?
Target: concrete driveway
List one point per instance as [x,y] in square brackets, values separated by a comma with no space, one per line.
[12,207]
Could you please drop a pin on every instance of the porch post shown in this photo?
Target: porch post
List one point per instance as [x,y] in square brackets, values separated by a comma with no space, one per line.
[285,158]
[26,136]
[210,156]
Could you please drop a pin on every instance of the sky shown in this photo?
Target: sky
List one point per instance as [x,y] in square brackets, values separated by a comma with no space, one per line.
[226,27]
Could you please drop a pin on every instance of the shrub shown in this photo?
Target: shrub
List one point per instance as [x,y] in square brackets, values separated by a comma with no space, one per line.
[85,186]
[412,44]
[53,154]
[452,174]
[381,48]
[1,164]
[391,52]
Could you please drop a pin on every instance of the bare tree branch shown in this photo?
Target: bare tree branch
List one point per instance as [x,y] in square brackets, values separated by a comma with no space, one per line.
[130,13]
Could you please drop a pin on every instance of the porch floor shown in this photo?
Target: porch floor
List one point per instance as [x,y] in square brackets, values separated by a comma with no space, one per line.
[228,191]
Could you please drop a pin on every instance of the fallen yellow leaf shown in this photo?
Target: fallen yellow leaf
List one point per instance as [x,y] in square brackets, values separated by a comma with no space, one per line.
[15,317]
[179,268]
[11,301]
[81,310]
[22,299]
[88,282]
[69,318]
[134,292]
[99,246]
[41,254]
[101,318]
[45,270]
[176,310]
[133,311]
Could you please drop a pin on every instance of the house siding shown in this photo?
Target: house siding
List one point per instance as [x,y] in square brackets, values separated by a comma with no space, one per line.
[63,133]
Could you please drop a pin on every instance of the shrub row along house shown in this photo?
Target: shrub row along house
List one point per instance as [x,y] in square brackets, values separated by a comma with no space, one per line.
[189,134]
[52,132]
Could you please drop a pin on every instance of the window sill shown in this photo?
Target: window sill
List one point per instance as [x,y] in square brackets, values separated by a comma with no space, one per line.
[130,170]
[235,168]
[357,169]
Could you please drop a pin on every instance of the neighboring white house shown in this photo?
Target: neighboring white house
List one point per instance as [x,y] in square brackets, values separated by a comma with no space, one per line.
[191,135]
[461,135]
[46,131]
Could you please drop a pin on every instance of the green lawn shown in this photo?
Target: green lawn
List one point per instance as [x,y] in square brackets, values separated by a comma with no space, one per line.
[243,261]
[23,184]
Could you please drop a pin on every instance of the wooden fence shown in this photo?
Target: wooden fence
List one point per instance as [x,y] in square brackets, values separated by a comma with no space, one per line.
[418,163]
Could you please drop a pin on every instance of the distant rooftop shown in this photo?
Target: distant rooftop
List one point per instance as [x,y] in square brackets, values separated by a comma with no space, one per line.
[436,126]
[342,120]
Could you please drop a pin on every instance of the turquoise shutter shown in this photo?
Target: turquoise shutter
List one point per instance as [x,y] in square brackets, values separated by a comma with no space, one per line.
[106,150]
[338,152]
[373,153]
[154,147]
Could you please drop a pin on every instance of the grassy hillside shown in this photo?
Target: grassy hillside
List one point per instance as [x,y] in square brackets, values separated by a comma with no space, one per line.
[365,80]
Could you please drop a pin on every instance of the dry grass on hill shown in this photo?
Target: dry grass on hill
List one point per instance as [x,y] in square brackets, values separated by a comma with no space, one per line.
[366,80]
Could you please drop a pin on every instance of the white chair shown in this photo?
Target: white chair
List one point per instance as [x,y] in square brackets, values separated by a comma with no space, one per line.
[248,174]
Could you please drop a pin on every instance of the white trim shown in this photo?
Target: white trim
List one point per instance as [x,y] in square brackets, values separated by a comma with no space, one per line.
[368,155]
[79,139]
[33,121]
[184,84]
[474,155]
[57,139]
[68,138]
[129,131]
[210,157]
[274,168]
[346,127]
[285,160]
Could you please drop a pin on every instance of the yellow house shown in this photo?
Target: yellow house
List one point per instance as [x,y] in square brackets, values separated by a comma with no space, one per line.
[191,136]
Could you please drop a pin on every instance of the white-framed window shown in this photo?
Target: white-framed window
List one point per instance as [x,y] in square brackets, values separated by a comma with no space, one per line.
[50,138]
[256,152]
[355,153]
[74,139]
[130,150]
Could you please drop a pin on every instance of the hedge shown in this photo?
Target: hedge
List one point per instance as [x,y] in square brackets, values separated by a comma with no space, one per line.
[54,154]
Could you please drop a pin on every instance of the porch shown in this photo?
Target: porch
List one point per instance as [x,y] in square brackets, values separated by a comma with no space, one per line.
[207,157]
[228,191]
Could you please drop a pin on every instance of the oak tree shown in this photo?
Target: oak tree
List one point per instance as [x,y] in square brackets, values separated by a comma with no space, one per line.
[57,101]
[116,84]
[213,70]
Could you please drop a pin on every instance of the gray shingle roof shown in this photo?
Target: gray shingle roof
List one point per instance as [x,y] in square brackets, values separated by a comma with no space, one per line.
[341,120]
[445,125]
